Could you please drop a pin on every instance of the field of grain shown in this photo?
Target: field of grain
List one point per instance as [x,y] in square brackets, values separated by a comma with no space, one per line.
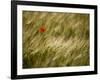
[53,39]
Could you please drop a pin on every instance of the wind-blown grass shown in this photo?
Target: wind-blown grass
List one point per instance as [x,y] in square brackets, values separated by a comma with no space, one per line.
[62,41]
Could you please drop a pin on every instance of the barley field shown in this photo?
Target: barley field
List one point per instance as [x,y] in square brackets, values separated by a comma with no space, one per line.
[54,39]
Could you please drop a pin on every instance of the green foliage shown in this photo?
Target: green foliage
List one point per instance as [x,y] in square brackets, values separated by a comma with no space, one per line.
[65,42]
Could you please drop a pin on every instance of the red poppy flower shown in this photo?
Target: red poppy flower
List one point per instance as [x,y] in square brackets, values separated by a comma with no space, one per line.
[42,29]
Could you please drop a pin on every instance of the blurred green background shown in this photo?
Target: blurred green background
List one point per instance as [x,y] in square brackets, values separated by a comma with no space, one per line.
[54,39]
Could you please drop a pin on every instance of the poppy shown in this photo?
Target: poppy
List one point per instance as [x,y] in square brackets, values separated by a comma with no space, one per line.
[42,29]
